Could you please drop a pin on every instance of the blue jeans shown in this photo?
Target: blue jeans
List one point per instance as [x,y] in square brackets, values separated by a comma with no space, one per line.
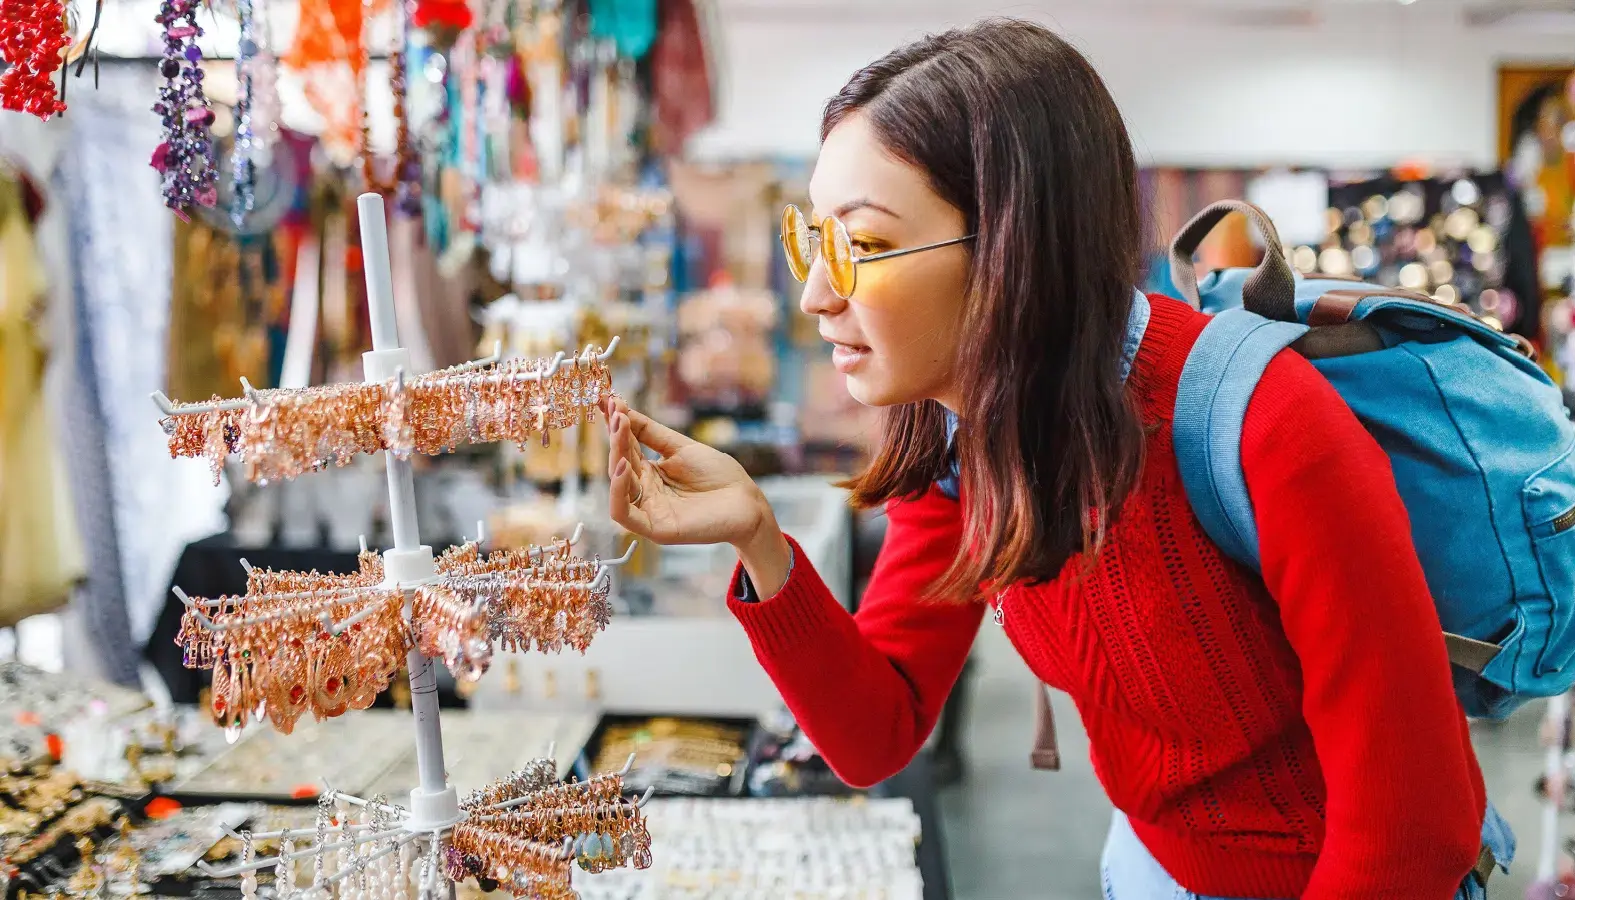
[1129,872]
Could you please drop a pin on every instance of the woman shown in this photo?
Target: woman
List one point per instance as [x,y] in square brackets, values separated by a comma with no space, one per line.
[1288,735]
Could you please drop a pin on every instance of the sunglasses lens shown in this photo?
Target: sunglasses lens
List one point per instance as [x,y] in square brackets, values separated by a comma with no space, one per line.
[836,255]
[797,246]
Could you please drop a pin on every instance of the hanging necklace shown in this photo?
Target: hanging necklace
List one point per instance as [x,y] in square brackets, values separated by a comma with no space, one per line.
[265,106]
[244,166]
[189,175]
[32,35]
[359,60]
[402,180]
[407,167]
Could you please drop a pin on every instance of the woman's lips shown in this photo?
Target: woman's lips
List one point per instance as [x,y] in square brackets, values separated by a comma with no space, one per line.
[848,358]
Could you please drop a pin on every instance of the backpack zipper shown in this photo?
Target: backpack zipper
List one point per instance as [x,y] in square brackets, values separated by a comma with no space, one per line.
[1564,521]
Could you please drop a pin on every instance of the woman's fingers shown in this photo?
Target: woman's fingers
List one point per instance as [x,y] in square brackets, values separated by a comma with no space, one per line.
[625,489]
[654,435]
[620,441]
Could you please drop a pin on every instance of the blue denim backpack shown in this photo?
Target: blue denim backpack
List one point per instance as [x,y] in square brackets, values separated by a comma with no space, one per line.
[1478,436]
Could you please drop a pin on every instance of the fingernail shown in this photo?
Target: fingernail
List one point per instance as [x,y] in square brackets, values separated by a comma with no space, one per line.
[620,469]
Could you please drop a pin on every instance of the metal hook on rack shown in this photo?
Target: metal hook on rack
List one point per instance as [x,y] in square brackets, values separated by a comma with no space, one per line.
[339,594]
[336,597]
[194,606]
[338,795]
[604,355]
[489,360]
[360,863]
[529,798]
[621,560]
[169,408]
[285,834]
[264,862]
[250,393]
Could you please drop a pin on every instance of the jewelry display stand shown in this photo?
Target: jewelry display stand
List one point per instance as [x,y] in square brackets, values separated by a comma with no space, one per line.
[521,833]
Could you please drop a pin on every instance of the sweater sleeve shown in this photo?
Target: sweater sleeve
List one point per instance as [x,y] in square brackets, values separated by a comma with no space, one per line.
[1405,796]
[867,689]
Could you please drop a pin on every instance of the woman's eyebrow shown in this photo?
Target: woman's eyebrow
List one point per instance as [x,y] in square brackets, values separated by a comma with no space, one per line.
[846,209]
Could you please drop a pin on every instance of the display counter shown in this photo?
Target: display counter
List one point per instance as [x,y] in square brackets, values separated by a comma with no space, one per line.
[767,820]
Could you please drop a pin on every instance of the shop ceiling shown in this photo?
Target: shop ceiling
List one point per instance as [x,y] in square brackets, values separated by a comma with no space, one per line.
[1535,14]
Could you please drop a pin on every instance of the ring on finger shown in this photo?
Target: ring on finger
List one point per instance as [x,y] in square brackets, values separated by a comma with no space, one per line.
[637,496]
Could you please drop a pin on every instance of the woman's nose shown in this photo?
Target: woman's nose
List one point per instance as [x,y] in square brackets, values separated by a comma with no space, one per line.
[818,298]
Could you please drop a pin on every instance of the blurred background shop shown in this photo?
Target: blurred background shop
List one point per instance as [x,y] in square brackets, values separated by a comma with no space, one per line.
[566,171]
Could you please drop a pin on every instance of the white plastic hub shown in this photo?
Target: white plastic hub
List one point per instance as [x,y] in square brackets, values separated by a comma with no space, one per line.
[380,365]
[408,567]
[431,811]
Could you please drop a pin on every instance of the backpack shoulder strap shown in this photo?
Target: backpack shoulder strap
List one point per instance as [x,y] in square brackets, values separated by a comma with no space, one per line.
[1214,391]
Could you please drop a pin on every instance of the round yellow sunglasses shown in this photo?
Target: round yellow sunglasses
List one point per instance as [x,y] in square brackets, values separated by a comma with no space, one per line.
[801,242]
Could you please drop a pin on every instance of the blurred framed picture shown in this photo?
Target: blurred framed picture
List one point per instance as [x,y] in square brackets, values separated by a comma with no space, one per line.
[1523,89]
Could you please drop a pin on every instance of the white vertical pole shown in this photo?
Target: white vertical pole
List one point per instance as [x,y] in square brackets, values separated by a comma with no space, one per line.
[375,260]
[434,801]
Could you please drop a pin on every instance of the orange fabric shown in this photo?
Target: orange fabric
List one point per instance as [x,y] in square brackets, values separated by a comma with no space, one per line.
[326,49]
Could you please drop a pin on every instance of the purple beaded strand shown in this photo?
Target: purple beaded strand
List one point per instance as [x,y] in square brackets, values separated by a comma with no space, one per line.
[189,174]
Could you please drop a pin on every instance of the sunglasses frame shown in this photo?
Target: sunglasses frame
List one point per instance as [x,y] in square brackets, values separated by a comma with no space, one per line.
[814,236]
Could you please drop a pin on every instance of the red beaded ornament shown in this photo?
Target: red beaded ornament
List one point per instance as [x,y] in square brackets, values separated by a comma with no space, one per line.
[32,35]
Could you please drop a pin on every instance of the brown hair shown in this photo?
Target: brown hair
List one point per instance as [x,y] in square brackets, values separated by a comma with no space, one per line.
[1012,126]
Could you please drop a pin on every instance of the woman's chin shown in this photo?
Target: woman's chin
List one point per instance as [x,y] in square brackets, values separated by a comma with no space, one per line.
[870,391]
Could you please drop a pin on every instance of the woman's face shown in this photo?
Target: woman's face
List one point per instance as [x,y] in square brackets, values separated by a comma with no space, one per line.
[895,338]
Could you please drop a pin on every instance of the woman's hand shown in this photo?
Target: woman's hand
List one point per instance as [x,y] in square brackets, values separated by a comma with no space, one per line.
[692,495]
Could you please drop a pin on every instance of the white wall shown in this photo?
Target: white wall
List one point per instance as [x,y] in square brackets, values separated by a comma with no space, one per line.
[1371,85]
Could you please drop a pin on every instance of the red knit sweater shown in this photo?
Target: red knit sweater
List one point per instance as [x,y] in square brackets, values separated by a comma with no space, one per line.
[1292,735]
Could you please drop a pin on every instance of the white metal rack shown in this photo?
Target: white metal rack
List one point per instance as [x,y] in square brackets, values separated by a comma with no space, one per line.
[408,566]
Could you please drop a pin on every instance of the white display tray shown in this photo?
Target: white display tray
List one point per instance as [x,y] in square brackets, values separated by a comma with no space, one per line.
[374,751]
[349,751]
[482,746]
